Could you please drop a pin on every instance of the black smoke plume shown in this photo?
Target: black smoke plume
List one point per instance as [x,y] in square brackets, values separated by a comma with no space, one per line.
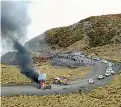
[25,62]
[14,18]
[14,22]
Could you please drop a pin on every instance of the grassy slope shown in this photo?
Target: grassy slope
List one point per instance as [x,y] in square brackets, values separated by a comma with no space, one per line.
[111,52]
[108,96]
[64,36]
[93,31]
[12,75]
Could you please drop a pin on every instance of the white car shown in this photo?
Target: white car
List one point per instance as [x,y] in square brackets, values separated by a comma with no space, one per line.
[109,71]
[101,77]
[104,61]
[83,56]
[91,81]
[112,72]
[110,64]
[98,59]
[107,74]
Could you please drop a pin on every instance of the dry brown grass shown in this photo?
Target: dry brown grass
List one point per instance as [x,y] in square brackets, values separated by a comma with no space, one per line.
[72,74]
[12,75]
[112,52]
[109,96]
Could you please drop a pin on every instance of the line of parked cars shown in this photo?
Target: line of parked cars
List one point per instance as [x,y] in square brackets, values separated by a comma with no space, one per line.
[109,71]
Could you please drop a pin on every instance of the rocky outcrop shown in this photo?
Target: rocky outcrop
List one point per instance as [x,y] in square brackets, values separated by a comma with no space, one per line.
[38,44]
[9,58]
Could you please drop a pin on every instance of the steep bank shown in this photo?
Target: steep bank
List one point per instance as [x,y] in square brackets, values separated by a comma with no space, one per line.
[90,32]
[93,31]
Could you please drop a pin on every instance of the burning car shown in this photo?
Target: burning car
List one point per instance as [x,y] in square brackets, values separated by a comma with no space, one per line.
[42,82]
[44,85]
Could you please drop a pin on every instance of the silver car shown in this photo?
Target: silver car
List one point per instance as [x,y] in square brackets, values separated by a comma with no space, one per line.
[91,81]
[101,77]
[104,61]
[107,74]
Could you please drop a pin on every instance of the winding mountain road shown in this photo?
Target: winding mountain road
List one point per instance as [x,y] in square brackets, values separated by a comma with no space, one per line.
[75,86]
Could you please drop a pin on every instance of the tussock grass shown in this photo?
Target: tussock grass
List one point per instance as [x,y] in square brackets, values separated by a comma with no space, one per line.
[111,52]
[108,96]
[12,75]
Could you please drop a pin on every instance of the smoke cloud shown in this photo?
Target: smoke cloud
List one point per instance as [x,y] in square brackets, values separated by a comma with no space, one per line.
[14,22]
[25,62]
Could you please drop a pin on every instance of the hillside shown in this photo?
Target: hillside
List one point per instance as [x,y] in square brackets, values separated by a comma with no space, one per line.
[93,31]
[90,32]
[9,58]
[38,44]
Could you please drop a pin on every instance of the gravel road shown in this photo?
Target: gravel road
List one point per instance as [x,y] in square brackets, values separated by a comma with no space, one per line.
[75,86]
